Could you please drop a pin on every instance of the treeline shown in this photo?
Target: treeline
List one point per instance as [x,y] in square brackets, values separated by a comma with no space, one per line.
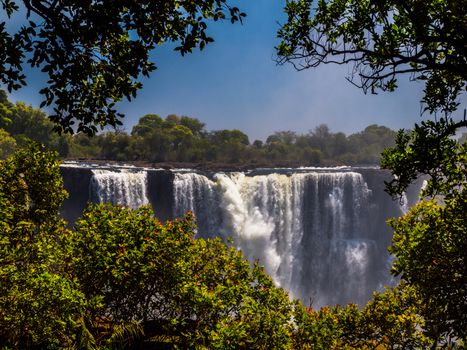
[185,139]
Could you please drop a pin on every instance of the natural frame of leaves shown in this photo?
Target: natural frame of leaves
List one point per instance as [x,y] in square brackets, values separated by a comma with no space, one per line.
[383,40]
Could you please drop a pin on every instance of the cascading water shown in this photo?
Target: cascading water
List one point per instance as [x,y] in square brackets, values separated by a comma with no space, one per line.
[123,187]
[309,230]
[320,234]
[197,193]
[263,216]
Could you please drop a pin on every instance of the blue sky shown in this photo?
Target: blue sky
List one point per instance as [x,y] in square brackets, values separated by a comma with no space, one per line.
[235,83]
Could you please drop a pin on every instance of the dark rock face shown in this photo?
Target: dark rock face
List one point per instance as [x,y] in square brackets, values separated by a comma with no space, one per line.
[82,188]
[160,193]
[77,183]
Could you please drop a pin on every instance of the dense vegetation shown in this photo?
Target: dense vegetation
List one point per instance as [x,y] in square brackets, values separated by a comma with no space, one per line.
[430,241]
[121,279]
[185,139]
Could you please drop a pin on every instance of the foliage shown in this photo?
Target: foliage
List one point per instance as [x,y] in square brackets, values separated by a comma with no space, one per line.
[382,40]
[392,320]
[7,144]
[38,303]
[185,139]
[94,52]
[25,123]
[389,321]
[429,150]
[321,329]
[430,240]
[430,245]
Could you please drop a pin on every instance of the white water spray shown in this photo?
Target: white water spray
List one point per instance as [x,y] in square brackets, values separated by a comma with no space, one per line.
[124,187]
[307,229]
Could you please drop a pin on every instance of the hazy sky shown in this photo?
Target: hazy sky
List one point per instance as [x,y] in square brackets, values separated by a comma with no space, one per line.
[235,83]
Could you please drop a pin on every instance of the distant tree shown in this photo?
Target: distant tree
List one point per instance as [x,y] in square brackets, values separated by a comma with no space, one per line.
[4,98]
[257,143]
[377,134]
[312,156]
[276,152]
[180,137]
[224,136]
[171,139]
[338,144]
[287,137]
[95,52]
[365,147]
[82,146]
[146,124]
[272,138]
[319,138]
[5,108]
[196,126]
[114,145]
[155,146]
[172,119]
[30,122]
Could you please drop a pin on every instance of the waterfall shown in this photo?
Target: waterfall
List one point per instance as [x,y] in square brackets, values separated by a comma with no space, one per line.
[123,186]
[263,216]
[309,230]
[320,233]
[197,193]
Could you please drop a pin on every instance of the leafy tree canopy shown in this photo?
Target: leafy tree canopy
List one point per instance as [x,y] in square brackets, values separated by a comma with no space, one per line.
[388,321]
[430,245]
[430,240]
[383,39]
[95,51]
[25,123]
[225,136]
[33,287]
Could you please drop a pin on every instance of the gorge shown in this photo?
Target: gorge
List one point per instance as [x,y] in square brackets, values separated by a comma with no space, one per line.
[319,232]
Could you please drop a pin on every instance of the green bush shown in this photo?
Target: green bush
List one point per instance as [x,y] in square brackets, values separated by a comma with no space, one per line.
[39,303]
